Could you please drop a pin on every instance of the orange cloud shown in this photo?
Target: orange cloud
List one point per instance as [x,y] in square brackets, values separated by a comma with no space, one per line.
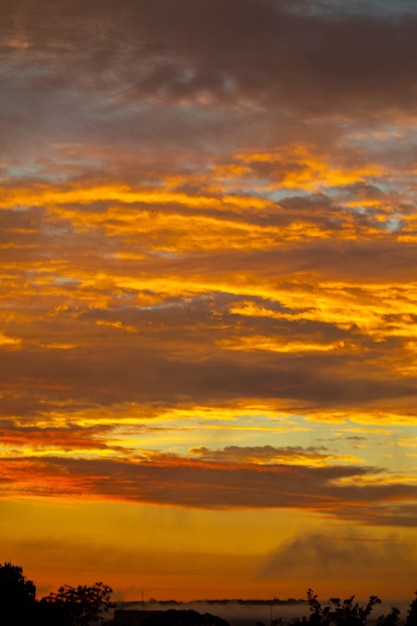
[168,479]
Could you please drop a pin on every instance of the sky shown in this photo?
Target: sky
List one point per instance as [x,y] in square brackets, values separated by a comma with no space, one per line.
[208,296]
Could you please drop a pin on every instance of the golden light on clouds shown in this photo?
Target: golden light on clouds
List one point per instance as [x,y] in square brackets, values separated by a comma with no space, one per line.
[208,303]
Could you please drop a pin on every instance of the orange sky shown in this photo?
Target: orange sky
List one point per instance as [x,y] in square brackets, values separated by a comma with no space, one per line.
[208,296]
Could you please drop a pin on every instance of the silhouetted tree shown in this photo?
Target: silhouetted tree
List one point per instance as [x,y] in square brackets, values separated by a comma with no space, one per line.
[83,604]
[412,614]
[51,614]
[346,613]
[389,620]
[17,596]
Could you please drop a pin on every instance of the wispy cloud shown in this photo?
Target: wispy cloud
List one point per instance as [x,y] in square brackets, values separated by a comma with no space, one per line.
[336,555]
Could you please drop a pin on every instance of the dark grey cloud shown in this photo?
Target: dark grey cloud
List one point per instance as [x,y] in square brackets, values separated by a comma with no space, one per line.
[170,479]
[115,368]
[231,50]
[96,91]
[155,348]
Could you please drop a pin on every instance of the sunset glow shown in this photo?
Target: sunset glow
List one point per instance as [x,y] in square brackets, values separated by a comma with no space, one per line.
[208,296]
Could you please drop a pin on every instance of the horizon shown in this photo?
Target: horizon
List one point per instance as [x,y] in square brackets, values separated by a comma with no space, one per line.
[208,296]
[236,613]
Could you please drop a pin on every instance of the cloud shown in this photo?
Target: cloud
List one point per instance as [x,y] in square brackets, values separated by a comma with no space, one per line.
[71,439]
[208,205]
[131,369]
[95,338]
[332,555]
[267,455]
[182,77]
[167,479]
[190,51]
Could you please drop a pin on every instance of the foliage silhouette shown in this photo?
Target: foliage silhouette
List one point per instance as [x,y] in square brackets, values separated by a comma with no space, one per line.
[82,604]
[337,612]
[412,613]
[51,614]
[346,613]
[391,619]
[17,595]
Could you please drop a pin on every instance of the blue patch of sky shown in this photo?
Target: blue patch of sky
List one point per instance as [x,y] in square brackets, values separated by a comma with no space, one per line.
[21,171]
[57,230]
[65,282]
[277,195]
[393,224]
[381,8]
[31,169]
[20,208]
[341,193]
[384,137]
[273,195]
[41,175]
[165,254]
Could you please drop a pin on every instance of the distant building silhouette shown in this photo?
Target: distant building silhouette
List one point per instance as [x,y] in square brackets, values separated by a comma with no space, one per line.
[171,617]
[134,617]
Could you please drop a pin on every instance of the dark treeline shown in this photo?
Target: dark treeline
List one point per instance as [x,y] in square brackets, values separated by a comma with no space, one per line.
[69,606]
[253,602]
[347,612]
[84,605]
